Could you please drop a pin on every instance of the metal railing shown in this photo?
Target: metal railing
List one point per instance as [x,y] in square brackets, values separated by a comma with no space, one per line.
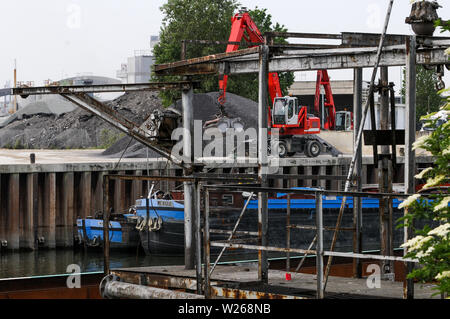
[319,252]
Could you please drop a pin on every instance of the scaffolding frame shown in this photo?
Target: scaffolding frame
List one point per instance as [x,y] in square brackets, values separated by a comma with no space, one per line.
[319,252]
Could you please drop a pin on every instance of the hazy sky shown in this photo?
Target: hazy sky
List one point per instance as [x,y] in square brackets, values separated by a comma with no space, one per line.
[52,39]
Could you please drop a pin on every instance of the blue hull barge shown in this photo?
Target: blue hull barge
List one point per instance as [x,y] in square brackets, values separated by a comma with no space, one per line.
[122,232]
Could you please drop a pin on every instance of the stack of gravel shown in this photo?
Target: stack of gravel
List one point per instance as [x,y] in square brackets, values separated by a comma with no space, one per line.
[55,125]
[205,109]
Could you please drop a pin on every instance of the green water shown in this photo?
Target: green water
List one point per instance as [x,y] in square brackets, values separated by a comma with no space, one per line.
[55,262]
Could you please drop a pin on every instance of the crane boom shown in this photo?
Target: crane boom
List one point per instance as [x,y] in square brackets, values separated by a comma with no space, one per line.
[243,27]
[297,129]
[330,110]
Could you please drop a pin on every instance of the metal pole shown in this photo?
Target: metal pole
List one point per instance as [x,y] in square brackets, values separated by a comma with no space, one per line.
[262,161]
[147,210]
[232,232]
[198,236]
[207,245]
[106,225]
[357,202]
[410,136]
[358,139]
[288,232]
[124,290]
[188,124]
[384,179]
[300,264]
[15,85]
[319,246]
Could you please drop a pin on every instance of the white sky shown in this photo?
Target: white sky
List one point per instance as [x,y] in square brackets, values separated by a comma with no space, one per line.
[52,39]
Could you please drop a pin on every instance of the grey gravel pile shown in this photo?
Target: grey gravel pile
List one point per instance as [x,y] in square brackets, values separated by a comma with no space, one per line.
[80,129]
[73,129]
[205,109]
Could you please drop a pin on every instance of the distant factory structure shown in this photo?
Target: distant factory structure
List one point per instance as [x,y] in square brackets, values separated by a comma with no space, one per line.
[138,67]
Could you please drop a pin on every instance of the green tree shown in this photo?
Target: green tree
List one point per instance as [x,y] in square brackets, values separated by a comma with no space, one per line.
[428,99]
[208,20]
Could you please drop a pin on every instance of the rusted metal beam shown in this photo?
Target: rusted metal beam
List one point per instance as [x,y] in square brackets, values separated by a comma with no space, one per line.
[262,248]
[239,232]
[103,88]
[106,113]
[155,280]
[303,35]
[246,61]
[303,177]
[117,289]
[308,227]
[197,65]
[231,293]
[221,42]
[369,256]
[357,39]
[213,177]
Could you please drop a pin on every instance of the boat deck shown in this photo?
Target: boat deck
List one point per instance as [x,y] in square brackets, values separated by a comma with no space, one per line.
[242,282]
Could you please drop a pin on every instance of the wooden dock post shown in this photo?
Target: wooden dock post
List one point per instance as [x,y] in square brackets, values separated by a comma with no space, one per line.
[13,217]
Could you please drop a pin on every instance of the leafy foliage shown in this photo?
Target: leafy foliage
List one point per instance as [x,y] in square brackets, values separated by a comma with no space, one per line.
[427,99]
[431,246]
[208,20]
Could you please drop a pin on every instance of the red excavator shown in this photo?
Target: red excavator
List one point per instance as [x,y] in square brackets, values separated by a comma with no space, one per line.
[297,128]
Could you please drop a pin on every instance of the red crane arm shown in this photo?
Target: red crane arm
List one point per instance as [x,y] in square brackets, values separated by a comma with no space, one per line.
[324,80]
[242,26]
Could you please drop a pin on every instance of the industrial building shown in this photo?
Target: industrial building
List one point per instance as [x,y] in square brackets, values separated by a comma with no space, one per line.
[138,67]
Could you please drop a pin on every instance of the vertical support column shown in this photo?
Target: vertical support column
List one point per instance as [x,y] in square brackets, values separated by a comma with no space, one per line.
[86,193]
[357,201]
[137,186]
[263,267]
[106,210]
[293,171]
[384,180]
[308,171]
[119,193]
[363,175]
[410,136]
[288,233]
[323,172]
[278,183]
[336,172]
[3,209]
[188,124]
[198,236]
[27,208]
[13,213]
[98,192]
[207,245]
[319,246]
[40,208]
[50,211]
[67,201]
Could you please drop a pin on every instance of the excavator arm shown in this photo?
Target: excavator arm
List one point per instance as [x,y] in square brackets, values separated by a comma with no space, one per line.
[243,27]
[330,110]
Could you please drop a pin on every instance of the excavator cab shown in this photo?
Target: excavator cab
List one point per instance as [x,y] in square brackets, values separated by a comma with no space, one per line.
[285,111]
[344,121]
